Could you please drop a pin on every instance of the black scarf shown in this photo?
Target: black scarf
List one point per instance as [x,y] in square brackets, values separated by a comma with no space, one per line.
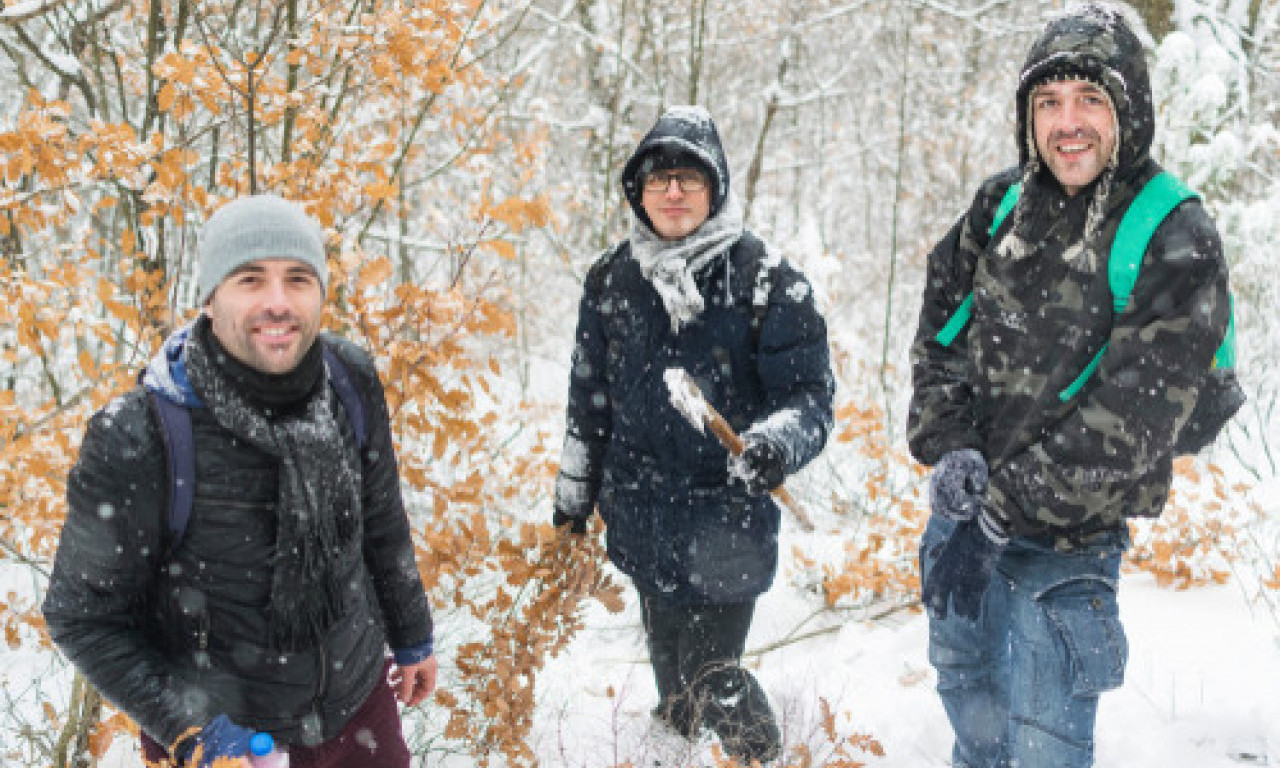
[274,393]
[318,509]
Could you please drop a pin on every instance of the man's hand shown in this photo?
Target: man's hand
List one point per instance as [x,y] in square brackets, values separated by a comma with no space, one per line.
[221,744]
[962,571]
[958,484]
[413,683]
[568,523]
[760,466]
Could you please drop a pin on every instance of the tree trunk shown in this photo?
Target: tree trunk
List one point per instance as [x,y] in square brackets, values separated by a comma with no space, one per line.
[1157,15]
[71,750]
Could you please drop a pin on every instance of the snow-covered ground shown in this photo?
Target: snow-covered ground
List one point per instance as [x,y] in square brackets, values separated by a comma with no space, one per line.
[1202,691]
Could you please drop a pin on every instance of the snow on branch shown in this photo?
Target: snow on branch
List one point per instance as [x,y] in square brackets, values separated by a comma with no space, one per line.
[25,11]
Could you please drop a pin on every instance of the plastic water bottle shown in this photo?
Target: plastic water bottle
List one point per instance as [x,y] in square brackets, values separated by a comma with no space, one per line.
[263,752]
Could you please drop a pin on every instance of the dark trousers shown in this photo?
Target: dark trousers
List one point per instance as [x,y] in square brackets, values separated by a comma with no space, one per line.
[696,652]
[373,739]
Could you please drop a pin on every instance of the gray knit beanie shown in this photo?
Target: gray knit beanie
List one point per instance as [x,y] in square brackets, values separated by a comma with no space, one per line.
[253,228]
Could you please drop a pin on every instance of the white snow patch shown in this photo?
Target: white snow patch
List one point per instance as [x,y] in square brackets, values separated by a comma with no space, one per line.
[798,292]
[776,426]
[687,398]
[690,113]
[574,456]
[112,408]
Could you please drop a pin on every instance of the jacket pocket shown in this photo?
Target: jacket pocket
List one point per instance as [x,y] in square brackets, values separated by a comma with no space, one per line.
[1086,617]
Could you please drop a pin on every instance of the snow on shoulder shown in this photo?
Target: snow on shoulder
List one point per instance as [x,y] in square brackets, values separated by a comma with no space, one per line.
[799,291]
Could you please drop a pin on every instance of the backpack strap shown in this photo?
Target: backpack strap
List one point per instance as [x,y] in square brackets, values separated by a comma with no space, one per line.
[345,388]
[1148,210]
[1007,202]
[179,462]
[1225,357]
[1153,203]
[958,320]
[180,448]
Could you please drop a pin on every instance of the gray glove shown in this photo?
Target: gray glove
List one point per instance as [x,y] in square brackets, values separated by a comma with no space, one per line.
[962,569]
[958,484]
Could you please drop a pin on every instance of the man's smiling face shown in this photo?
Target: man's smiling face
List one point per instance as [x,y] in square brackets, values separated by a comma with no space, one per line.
[1075,131]
[267,313]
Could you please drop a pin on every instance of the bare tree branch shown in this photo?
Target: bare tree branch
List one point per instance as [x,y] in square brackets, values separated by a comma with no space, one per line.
[22,12]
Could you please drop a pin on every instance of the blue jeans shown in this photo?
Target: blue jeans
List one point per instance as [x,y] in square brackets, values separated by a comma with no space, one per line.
[1020,685]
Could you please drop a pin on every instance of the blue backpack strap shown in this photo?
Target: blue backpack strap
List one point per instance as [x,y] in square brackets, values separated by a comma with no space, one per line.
[1153,203]
[180,463]
[960,319]
[345,388]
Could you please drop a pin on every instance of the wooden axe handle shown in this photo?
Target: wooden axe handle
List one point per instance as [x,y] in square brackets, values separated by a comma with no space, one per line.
[732,443]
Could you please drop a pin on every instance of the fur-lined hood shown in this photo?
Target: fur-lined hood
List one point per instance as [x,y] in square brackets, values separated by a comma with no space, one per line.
[1093,42]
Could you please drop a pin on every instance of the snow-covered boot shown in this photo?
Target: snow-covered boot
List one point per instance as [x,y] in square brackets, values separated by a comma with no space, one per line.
[732,703]
[676,714]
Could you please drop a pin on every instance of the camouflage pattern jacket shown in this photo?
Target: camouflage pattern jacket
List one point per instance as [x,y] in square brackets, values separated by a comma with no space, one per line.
[1042,308]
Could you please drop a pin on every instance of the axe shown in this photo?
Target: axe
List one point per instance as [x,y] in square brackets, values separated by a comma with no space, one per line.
[690,402]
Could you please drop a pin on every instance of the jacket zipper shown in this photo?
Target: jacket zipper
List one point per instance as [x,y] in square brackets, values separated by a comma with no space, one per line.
[321,683]
[201,656]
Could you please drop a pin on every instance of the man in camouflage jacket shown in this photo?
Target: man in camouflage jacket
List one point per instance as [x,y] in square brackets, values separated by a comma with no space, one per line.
[1030,493]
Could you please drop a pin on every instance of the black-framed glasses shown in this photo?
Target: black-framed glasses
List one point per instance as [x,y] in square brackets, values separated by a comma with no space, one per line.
[688,180]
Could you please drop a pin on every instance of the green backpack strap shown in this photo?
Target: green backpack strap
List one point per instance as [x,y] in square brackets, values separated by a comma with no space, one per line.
[1155,201]
[1148,210]
[960,319]
[1225,357]
[1007,202]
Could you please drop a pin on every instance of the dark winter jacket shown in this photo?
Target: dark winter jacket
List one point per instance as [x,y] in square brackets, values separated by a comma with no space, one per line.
[176,638]
[1042,308]
[675,524]
[744,325]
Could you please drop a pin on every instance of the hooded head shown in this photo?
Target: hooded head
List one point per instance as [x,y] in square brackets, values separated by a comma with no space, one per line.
[1092,42]
[683,137]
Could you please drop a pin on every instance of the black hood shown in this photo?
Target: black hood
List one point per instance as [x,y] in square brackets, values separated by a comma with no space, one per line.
[1093,43]
[683,135]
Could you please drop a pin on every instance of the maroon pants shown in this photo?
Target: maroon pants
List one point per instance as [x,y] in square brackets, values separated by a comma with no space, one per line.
[372,739]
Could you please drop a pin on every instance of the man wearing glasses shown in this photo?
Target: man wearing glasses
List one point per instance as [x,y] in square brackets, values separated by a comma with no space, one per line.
[696,531]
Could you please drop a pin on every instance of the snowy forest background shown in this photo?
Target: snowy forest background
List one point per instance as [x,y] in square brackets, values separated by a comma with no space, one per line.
[464,156]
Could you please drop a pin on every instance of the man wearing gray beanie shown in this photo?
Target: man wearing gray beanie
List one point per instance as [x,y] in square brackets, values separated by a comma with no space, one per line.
[255,564]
